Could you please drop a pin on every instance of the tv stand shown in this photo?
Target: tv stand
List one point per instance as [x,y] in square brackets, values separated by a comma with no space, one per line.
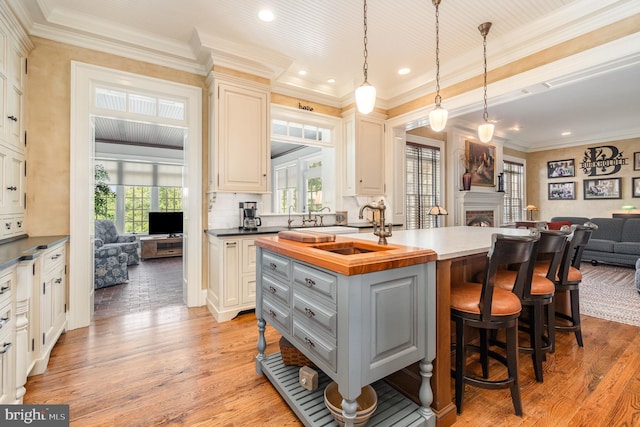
[160,246]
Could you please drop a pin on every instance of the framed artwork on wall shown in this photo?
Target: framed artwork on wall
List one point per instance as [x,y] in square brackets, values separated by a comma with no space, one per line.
[601,188]
[562,191]
[481,159]
[561,168]
[636,161]
[635,187]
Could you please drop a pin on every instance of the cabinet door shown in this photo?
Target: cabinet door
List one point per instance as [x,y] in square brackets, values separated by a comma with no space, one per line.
[59,298]
[369,157]
[7,375]
[14,182]
[241,129]
[47,321]
[231,281]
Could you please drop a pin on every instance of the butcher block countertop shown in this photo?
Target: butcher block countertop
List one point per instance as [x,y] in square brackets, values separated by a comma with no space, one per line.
[347,255]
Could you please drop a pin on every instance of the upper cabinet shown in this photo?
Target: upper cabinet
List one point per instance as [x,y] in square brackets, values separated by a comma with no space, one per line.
[364,154]
[239,135]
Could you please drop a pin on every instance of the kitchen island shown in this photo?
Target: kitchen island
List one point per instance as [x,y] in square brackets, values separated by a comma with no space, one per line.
[359,310]
[459,253]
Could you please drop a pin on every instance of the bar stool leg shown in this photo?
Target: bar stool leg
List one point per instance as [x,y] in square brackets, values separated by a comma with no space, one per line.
[460,363]
[512,366]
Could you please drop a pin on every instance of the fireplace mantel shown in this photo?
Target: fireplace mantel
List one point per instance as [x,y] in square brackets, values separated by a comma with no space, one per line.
[476,200]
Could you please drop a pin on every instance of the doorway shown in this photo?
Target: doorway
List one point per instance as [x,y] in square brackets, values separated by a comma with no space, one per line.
[85,80]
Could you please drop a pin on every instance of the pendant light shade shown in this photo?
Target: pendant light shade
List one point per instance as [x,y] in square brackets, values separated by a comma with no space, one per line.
[485,130]
[366,93]
[438,117]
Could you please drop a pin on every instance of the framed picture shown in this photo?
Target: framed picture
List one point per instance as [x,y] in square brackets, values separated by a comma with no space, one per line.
[635,187]
[561,168]
[601,188]
[481,159]
[636,161]
[562,191]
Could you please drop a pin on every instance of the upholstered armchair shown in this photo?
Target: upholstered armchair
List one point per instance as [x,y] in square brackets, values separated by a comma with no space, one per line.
[106,236]
[110,266]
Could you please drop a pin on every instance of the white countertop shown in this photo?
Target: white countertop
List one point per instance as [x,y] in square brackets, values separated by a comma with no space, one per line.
[447,242]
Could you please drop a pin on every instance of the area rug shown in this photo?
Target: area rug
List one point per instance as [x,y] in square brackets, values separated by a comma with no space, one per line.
[608,292]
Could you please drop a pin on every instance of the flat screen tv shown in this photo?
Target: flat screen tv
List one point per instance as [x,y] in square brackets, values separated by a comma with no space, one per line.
[165,223]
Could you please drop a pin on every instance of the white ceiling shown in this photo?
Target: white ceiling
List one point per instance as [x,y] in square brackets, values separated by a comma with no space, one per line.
[325,38]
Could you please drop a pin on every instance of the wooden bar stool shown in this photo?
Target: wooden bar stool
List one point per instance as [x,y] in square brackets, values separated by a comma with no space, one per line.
[536,297]
[569,277]
[488,308]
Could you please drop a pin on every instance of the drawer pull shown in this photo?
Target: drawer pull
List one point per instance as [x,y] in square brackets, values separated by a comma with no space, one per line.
[56,256]
[273,266]
[309,343]
[272,313]
[5,347]
[309,282]
[309,312]
[4,289]
[59,280]
[12,188]
[272,290]
[7,225]
[12,118]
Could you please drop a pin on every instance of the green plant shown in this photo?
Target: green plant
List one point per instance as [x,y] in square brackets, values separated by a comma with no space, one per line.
[102,192]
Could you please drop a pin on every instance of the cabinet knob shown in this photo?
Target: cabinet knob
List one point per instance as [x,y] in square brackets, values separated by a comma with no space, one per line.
[5,347]
[3,321]
[273,266]
[12,118]
[309,282]
[309,343]
[4,289]
[12,188]
[309,312]
[58,280]
[272,289]
[272,313]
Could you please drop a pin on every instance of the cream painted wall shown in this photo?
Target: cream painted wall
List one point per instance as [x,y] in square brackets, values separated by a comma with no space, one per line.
[48,110]
[537,182]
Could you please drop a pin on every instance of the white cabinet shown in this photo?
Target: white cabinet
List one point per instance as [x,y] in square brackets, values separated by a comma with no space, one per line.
[13,50]
[50,305]
[7,337]
[232,276]
[364,154]
[240,135]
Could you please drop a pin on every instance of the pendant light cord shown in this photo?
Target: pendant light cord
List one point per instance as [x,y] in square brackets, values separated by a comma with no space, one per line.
[365,67]
[438,99]
[485,115]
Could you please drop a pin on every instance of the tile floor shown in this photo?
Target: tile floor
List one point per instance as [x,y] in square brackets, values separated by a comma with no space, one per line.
[153,283]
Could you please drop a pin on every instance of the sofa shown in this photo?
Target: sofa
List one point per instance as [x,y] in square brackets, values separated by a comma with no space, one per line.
[110,266]
[616,241]
[106,236]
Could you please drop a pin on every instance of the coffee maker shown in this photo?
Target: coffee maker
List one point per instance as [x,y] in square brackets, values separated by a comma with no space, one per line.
[250,220]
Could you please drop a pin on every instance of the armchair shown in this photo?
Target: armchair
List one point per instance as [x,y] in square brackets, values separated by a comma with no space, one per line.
[106,236]
[110,266]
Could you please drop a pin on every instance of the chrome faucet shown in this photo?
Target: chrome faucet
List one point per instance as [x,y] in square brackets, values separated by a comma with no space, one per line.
[328,209]
[289,221]
[309,220]
[380,229]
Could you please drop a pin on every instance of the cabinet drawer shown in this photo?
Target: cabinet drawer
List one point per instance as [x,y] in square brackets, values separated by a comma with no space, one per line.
[6,285]
[276,265]
[316,281]
[277,290]
[314,313]
[324,350]
[52,258]
[272,313]
[6,320]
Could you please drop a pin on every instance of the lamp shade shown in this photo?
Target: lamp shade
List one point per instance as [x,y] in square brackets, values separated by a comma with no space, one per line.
[438,118]
[485,132]
[437,210]
[366,98]
[531,208]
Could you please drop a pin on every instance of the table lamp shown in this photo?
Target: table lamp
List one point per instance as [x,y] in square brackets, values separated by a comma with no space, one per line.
[530,209]
[437,211]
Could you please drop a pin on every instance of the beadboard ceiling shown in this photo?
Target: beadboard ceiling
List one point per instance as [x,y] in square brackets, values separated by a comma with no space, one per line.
[325,39]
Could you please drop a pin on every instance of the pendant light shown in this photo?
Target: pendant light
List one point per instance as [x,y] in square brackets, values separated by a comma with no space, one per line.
[485,130]
[438,117]
[366,93]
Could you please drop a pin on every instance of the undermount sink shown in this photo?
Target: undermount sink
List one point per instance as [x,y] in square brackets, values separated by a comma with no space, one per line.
[331,229]
[350,248]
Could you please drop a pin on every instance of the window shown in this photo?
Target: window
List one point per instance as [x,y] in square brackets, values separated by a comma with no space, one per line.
[286,191]
[513,192]
[422,184]
[170,199]
[137,201]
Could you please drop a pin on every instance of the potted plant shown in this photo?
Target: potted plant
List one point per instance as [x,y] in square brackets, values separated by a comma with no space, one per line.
[102,193]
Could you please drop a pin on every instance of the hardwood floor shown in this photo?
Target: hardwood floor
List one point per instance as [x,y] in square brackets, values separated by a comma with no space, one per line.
[178,366]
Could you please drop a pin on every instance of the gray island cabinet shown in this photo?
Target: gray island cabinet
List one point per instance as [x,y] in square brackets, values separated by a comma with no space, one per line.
[356,328]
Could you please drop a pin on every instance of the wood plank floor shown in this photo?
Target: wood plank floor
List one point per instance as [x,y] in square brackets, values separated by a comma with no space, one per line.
[178,366]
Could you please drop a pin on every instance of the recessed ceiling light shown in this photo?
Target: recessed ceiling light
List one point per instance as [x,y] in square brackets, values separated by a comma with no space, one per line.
[515,128]
[565,133]
[302,73]
[403,71]
[266,15]
[331,80]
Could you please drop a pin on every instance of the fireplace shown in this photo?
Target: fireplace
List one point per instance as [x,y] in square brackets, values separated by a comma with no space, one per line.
[479,208]
[479,218]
